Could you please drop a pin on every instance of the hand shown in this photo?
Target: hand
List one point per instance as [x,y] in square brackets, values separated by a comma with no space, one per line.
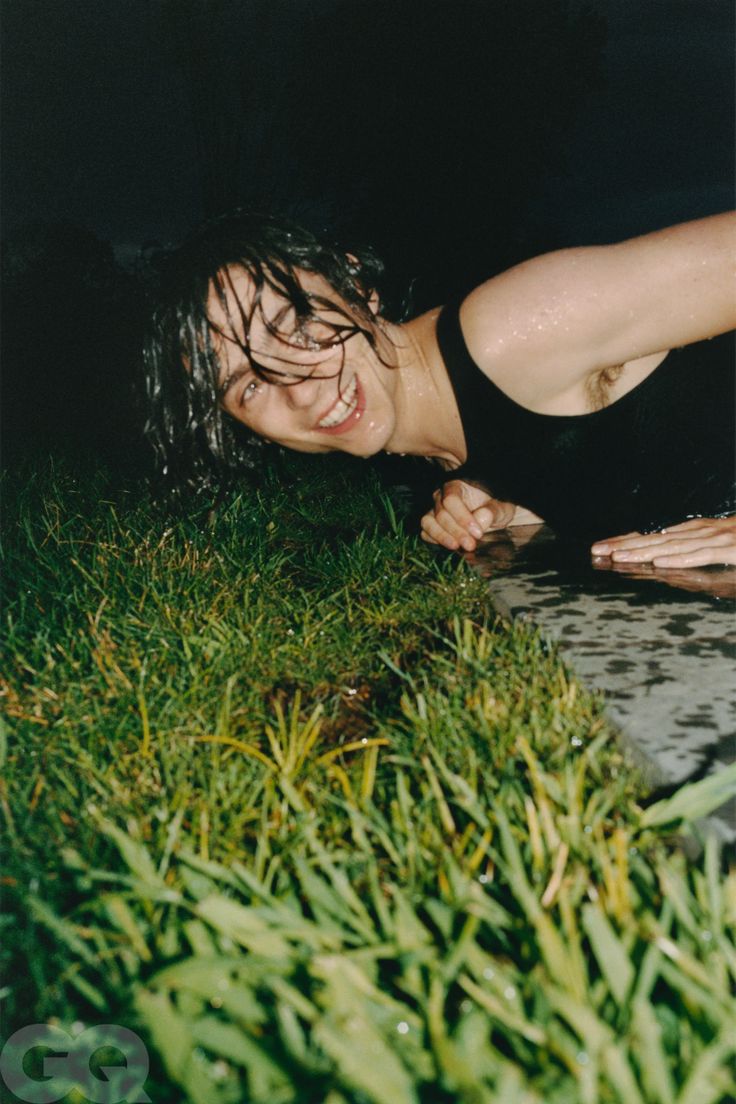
[462,513]
[693,543]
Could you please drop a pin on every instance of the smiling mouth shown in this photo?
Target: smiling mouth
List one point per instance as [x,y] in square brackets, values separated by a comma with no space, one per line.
[345,411]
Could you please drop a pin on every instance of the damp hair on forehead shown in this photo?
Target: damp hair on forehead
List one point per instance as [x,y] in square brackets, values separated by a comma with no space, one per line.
[298,321]
[195,442]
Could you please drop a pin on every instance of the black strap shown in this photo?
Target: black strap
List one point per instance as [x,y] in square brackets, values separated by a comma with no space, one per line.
[473,390]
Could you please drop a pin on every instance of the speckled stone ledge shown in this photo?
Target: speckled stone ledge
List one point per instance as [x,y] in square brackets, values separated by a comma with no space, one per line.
[663,655]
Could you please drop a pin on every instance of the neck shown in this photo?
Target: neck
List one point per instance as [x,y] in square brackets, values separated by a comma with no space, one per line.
[427,419]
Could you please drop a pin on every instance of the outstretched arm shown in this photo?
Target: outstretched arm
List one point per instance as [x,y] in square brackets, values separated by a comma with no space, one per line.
[542,328]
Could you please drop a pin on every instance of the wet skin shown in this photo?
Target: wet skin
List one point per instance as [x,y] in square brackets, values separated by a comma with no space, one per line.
[621,307]
[346,396]
[575,330]
[331,398]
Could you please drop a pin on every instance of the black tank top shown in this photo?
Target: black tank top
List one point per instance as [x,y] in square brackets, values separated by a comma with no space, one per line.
[663,452]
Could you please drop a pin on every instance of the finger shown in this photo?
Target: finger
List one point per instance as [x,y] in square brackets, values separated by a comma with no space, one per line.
[442,531]
[705,537]
[447,521]
[485,519]
[451,487]
[434,534]
[690,524]
[441,539]
[630,542]
[496,516]
[460,513]
[604,547]
[642,540]
[701,556]
[634,543]
[647,552]
[490,513]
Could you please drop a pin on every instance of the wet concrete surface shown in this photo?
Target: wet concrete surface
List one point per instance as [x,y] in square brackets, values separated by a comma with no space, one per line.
[661,645]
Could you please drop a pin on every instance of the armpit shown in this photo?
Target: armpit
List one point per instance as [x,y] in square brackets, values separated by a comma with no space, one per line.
[598,386]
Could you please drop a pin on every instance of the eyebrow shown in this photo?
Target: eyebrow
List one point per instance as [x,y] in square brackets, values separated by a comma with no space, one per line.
[247,369]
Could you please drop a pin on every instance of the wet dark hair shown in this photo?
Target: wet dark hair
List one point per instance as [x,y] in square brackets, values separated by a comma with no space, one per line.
[196,443]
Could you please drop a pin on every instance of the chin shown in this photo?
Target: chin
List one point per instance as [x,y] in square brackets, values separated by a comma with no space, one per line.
[368,448]
[378,439]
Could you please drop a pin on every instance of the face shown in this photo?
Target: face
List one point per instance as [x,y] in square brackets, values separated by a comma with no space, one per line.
[321,408]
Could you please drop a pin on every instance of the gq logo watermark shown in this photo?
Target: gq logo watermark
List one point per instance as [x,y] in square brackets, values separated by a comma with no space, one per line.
[42,1079]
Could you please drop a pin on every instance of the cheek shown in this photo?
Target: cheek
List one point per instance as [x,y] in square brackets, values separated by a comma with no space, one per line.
[267,425]
[243,416]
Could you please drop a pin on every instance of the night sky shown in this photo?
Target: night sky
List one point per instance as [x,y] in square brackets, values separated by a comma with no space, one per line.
[457,137]
[98,125]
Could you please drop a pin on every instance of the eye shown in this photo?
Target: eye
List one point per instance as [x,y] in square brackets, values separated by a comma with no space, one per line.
[251,388]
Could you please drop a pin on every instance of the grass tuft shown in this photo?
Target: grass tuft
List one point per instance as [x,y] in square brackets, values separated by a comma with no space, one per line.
[281,794]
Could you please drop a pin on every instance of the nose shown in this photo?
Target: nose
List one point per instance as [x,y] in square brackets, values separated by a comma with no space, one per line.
[302,394]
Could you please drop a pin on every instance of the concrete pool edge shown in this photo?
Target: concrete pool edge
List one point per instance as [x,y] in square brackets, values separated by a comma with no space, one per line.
[665,669]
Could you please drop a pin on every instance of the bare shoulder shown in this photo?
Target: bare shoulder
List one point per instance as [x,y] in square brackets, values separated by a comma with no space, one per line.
[544,327]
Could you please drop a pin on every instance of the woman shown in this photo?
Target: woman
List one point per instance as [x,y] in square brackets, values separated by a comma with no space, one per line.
[550,391]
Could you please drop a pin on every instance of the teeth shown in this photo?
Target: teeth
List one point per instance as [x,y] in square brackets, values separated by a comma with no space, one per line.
[343,408]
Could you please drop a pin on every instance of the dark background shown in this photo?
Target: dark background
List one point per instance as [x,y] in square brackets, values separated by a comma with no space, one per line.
[456,136]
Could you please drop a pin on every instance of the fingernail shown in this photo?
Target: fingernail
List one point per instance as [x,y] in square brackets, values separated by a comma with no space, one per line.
[475,529]
[599,548]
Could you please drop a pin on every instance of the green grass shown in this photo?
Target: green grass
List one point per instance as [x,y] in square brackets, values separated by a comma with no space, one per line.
[282,795]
